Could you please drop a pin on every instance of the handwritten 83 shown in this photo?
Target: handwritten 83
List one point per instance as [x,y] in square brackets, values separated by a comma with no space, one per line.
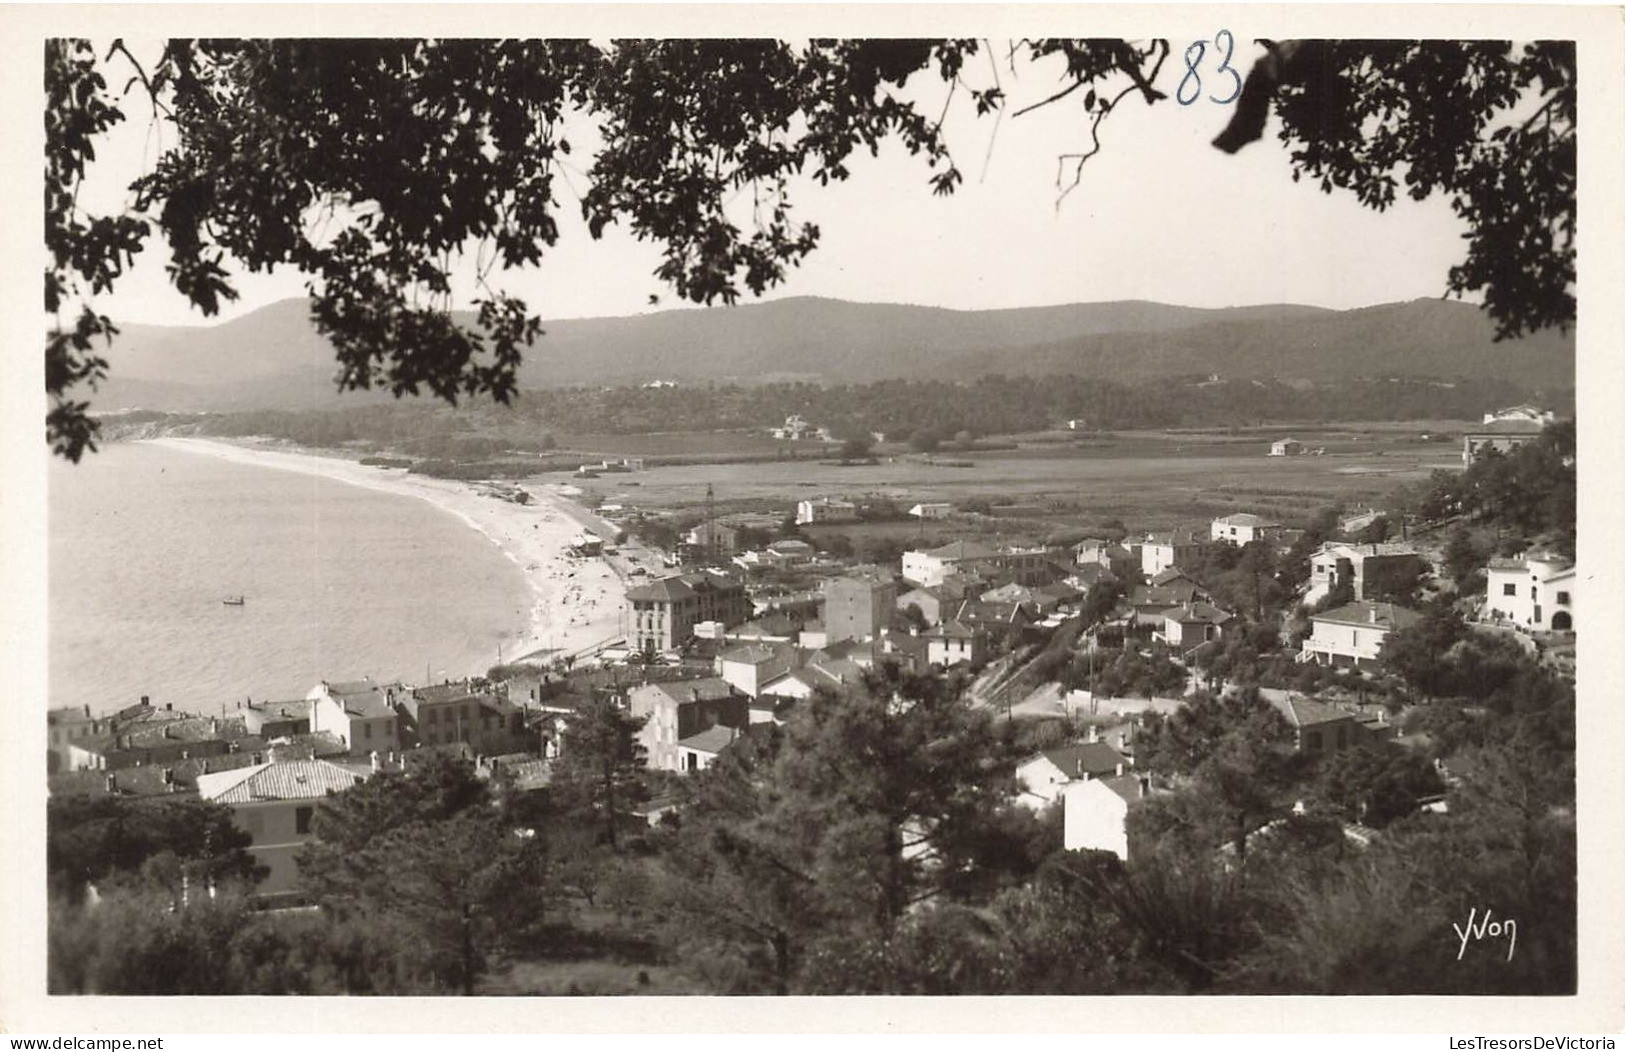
[1190,85]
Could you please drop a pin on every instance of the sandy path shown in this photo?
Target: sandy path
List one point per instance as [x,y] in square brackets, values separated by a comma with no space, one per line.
[576,604]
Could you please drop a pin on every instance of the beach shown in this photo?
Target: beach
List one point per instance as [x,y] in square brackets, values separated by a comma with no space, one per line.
[577,603]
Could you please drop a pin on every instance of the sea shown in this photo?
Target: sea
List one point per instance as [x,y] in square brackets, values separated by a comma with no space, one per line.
[337,582]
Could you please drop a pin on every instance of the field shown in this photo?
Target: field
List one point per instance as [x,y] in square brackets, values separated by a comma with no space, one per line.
[1150,480]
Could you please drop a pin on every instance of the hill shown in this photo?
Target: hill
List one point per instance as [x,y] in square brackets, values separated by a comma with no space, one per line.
[273,358]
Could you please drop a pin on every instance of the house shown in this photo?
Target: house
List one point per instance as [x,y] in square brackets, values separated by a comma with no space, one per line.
[750,667]
[275,803]
[1042,777]
[359,713]
[1374,571]
[277,719]
[999,620]
[66,726]
[1096,811]
[930,567]
[1168,550]
[699,751]
[459,712]
[679,709]
[1120,560]
[664,611]
[1316,726]
[825,509]
[859,603]
[1533,592]
[160,737]
[1286,447]
[1352,635]
[795,429]
[931,511]
[1245,528]
[1503,432]
[1192,624]
[1167,591]
[954,643]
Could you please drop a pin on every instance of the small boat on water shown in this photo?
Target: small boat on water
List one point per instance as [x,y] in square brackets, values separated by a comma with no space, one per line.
[233,600]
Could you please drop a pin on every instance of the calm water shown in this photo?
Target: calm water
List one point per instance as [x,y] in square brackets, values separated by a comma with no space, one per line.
[339,582]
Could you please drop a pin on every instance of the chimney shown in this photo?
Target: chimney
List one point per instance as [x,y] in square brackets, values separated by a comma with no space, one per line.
[375,762]
[112,783]
[146,701]
[169,706]
[214,725]
[205,767]
[1119,770]
[1373,613]
[1094,733]
[259,758]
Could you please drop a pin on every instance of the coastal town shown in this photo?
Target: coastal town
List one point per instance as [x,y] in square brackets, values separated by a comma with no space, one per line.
[613,516]
[1093,655]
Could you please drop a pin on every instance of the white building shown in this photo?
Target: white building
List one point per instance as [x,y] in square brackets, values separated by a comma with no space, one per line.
[1245,528]
[1352,635]
[1286,447]
[1534,592]
[275,804]
[931,511]
[825,509]
[1096,812]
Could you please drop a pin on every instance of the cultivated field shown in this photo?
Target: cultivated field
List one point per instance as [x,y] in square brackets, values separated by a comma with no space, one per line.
[1149,480]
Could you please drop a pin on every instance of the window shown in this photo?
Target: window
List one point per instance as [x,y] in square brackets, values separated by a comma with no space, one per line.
[1562,599]
[366,730]
[1509,589]
[301,819]
[1312,741]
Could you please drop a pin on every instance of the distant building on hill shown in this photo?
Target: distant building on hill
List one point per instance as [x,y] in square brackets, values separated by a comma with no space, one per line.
[1504,431]
[1286,447]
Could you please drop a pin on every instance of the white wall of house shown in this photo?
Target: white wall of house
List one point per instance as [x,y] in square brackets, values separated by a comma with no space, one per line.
[1534,596]
[277,829]
[1096,818]
[1339,643]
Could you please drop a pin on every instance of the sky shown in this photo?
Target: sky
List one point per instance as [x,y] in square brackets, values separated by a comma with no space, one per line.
[1159,214]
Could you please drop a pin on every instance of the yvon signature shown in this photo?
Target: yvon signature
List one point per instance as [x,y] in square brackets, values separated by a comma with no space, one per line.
[1486,928]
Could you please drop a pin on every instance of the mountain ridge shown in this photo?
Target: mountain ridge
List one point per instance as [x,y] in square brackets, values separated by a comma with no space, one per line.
[273,357]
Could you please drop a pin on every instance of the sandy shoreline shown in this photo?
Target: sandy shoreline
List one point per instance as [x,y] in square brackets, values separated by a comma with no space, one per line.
[576,604]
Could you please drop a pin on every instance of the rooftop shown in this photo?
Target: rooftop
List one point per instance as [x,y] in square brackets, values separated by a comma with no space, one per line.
[713,739]
[1085,760]
[292,780]
[1367,612]
[1303,712]
[1245,518]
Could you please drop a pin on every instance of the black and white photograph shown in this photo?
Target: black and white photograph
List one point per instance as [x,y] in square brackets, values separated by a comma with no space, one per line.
[747,506]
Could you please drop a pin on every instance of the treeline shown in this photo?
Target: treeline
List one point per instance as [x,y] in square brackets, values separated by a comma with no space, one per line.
[899,408]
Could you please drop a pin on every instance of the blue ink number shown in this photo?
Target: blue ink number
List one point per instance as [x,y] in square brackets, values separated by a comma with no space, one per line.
[1229,45]
[1192,80]
[1192,77]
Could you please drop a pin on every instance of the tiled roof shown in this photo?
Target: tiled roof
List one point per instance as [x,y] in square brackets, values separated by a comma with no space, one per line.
[1245,518]
[713,739]
[750,653]
[1126,785]
[293,780]
[682,690]
[1361,551]
[1367,612]
[1199,613]
[1184,535]
[1307,712]
[1087,759]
